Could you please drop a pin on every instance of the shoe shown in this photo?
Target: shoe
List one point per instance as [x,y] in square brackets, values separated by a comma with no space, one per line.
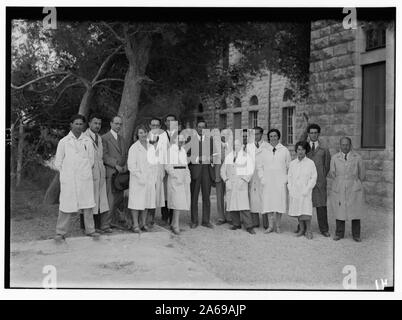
[144,228]
[175,231]
[357,239]
[326,234]
[107,230]
[220,222]
[278,230]
[94,235]
[208,225]
[336,238]
[300,233]
[298,229]
[193,225]
[235,227]
[309,235]
[269,230]
[135,230]
[251,231]
[59,238]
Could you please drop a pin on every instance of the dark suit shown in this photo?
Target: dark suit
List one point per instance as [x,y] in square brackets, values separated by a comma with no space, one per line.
[202,177]
[114,153]
[322,160]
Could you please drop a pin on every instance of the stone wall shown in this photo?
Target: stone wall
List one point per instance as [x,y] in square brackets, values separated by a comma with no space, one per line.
[335,100]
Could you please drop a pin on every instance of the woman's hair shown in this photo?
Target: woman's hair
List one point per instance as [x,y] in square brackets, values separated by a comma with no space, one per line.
[304,144]
[141,126]
[77,116]
[274,130]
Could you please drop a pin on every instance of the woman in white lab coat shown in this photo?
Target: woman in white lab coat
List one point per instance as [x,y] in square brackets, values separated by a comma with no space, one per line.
[143,167]
[178,182]
[236,172]
[74,159]
[272,170]
[302,177]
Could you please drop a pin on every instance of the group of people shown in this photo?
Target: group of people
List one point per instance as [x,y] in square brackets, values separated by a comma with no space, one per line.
[169,168]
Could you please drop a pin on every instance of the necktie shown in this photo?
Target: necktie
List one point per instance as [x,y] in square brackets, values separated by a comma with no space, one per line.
[346,157]
[257,144]
[96,139]
[273,150]
[313,148]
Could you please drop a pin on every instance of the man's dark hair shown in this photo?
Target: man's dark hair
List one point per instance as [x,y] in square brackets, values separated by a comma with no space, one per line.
[171,115]
[116,116]
[304,144]
[314,126]
[274,130]
[155,118]
[261,130]
[202,120]
[77,116]
[347,138]
[93,116]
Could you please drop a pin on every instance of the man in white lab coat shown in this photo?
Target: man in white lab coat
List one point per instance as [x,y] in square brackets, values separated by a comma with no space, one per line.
[74,159]
[98,174]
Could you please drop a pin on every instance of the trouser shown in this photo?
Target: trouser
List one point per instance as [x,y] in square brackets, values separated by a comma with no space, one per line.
[63,224]
[255,219]
[115,198]
[340,228]
[151,217]
[203,183]
[139,218]
[265,221]
[304,223]
[242,216]
[322,219]
[274,219]
[220,201]
[175,220]
[167,213]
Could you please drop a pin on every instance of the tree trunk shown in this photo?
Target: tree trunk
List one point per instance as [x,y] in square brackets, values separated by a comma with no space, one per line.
[20,153]
[137,52]
[86,100]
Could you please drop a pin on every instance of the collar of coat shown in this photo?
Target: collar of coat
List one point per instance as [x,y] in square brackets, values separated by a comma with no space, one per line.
[351,154]
[278,146]
[81,137]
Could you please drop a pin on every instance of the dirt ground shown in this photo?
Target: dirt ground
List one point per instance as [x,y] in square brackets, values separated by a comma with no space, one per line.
[198,258]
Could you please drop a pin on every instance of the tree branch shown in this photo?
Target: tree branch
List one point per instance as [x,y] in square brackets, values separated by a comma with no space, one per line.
[111,90]
[38,79]
[106,62]
[113,32]
[106,79]
[64,89]
[55,87]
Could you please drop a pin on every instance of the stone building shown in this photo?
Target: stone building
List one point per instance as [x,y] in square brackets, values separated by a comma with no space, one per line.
[351,92]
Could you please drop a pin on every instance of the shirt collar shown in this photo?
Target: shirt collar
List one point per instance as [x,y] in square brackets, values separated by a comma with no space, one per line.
[315,142]
[114,134]
[71,135]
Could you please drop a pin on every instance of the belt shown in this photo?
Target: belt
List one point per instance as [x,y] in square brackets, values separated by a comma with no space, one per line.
[179,167]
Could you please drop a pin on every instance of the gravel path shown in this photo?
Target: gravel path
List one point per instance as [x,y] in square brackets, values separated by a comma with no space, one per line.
[261,261]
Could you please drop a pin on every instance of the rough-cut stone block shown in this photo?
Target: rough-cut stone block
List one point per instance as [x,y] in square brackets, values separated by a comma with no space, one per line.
[340,49]
[325,31]
[348,35]
[345,61]
[315,34]
[335,39]
[349,94]
[337,27]
[321,43]
[373,175]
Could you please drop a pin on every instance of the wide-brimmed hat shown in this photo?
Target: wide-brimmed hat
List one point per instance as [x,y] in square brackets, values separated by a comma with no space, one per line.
[121,180]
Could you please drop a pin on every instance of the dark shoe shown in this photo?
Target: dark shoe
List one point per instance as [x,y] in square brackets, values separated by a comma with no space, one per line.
[175,231]
[220,222]
[309,235]
[278,230]
[144,228]
[94,235]
[269,230]
[107,230]
[208,225]
[300,233]
[235,227]
[193,225]
[326,234]
[336,238]
[298,229]
[251,231]
[256,226]
[59,238]
[357,239]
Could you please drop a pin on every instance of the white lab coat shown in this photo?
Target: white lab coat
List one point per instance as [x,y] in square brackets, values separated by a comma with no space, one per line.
[143,167]
[178,181]
[99,176]
[255,187]
[272,170]
[302,177]
[237,176]
[74,159]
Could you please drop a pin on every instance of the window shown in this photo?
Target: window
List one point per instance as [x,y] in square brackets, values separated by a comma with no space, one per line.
[252,119]
[222,121]
[253,101]
[375,38]
[222,104]
[237,120]
[200,108]
[236,103]
[288,122]
[373,106]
